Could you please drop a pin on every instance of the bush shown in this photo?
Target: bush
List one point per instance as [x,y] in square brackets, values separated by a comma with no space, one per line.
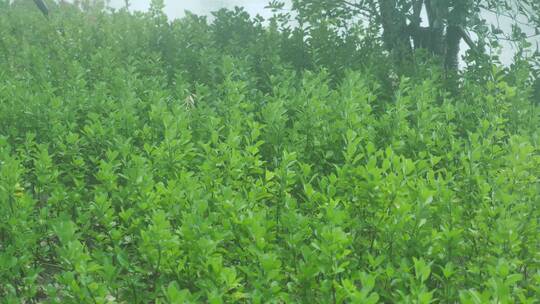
[146,161]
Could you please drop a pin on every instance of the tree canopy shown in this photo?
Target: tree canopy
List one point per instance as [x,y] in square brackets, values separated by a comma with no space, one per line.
[438,26]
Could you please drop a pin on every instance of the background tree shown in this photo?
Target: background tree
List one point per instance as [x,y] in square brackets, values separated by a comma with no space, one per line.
[439,26]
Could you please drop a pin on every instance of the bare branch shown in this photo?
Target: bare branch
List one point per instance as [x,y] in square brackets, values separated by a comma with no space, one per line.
[466,37]
[42,7]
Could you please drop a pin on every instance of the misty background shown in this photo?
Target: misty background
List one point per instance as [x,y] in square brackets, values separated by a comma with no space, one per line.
[176,9]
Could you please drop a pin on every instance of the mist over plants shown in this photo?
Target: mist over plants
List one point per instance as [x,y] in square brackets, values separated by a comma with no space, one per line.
[175,9]
[299,159]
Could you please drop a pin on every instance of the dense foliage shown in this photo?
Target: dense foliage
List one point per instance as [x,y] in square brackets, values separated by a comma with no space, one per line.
[438,26]
[147,161]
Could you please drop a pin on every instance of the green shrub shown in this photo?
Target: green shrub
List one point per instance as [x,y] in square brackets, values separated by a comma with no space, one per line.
[151,162]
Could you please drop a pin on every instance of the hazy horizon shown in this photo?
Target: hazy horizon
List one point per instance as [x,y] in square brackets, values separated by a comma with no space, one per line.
[176,9]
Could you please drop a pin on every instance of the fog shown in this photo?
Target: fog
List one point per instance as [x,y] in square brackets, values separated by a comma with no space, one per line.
[177,8]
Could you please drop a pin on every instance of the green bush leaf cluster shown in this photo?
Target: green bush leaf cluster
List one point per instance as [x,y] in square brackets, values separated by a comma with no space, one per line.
[146,161]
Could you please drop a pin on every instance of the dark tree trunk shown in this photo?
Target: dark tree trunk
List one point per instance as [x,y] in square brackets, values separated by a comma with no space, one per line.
[457,19]
[395,31]
[453,39]
[42,7]
[441,38]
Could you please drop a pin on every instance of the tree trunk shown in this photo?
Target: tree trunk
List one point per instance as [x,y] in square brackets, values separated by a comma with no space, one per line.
[42,7]
[395,33]
[441,38]
[453,39]
[457,19]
